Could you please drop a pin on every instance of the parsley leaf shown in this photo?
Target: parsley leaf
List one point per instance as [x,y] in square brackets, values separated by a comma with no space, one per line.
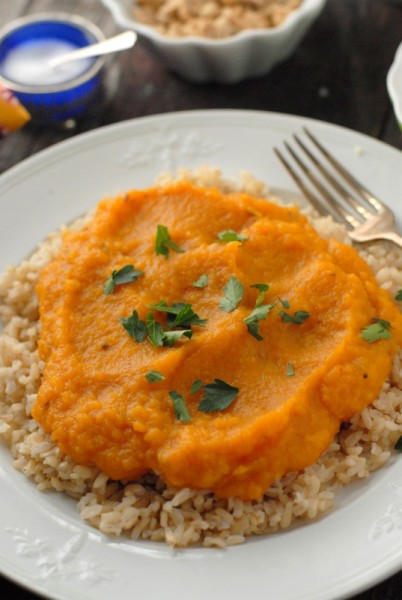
[257,315]
[159,337]
[155,330]
[398,296]
[262,288]
[382,322]
[253,329]
[183,317]
[233,293]
[201,282]
[297,319]
[218,396]
[183,314]
[285,303]
[196,386]
[290,370]
[164,242]
[126,274]
[171,337]
[377,330]
[180,407]
[134,326]
[231,236]
[398,445]
[154,376]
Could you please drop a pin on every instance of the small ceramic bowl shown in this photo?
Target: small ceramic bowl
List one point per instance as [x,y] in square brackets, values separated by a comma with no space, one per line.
[250,53]
[25,46]
[394,85]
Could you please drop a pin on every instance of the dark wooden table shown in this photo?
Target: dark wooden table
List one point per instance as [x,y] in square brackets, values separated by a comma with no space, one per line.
[337,75]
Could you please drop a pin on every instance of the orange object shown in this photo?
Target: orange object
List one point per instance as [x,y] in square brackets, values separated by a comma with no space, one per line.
[95,398]
[13,115]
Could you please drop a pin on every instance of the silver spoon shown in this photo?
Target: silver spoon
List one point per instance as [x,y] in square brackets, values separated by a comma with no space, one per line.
[122,41]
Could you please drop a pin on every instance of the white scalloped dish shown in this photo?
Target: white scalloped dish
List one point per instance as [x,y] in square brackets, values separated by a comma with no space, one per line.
[250,53]
[394,84]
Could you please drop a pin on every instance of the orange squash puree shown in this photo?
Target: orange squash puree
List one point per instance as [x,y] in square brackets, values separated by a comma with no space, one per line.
[94,397]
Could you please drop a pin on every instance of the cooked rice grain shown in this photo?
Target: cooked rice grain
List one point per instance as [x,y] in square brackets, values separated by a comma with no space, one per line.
[147,509]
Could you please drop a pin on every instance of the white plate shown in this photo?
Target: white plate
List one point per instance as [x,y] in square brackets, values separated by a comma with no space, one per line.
[43,544]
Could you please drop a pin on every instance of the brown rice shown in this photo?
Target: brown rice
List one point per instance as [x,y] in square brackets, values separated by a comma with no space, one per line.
[147,509]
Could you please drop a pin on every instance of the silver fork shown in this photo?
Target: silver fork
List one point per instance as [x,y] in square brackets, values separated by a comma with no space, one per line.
[339,193]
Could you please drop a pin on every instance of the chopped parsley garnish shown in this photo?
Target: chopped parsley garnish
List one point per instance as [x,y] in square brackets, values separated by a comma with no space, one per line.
[171,337]
[299,317]
[155,330]
[233,293]
[218,396]
[398,296]
[201,282]
[285,303]
[262,288]
[126,274]
[159,337]
[231,236]
[377,330]
[134,326]
[196,386]
[398,445]
[290,370]
[180,407]
[252,321]
[179,314]
[180,318]
[164,242]
[154,376]
[382,322]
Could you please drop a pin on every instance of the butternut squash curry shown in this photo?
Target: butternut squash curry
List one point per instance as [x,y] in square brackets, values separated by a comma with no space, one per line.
[215,339]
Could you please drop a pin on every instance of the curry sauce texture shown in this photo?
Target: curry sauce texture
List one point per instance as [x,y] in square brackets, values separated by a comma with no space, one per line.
[295,369]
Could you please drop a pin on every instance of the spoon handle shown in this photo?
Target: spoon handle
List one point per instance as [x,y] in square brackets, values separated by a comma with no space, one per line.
[122,41]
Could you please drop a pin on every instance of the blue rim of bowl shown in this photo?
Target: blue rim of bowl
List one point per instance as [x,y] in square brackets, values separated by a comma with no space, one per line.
[307,7]
[76,20]
[396,98]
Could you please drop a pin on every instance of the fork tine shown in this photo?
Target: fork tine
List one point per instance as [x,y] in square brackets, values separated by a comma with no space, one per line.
[353,182]
[336,207]
[300,184]
[377,225]
[342,191]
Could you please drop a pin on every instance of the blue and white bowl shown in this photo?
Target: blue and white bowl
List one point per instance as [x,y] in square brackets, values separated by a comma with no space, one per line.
[62,100]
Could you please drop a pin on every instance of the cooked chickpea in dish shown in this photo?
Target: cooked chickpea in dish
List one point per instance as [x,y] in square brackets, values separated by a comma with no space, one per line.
[212,18]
